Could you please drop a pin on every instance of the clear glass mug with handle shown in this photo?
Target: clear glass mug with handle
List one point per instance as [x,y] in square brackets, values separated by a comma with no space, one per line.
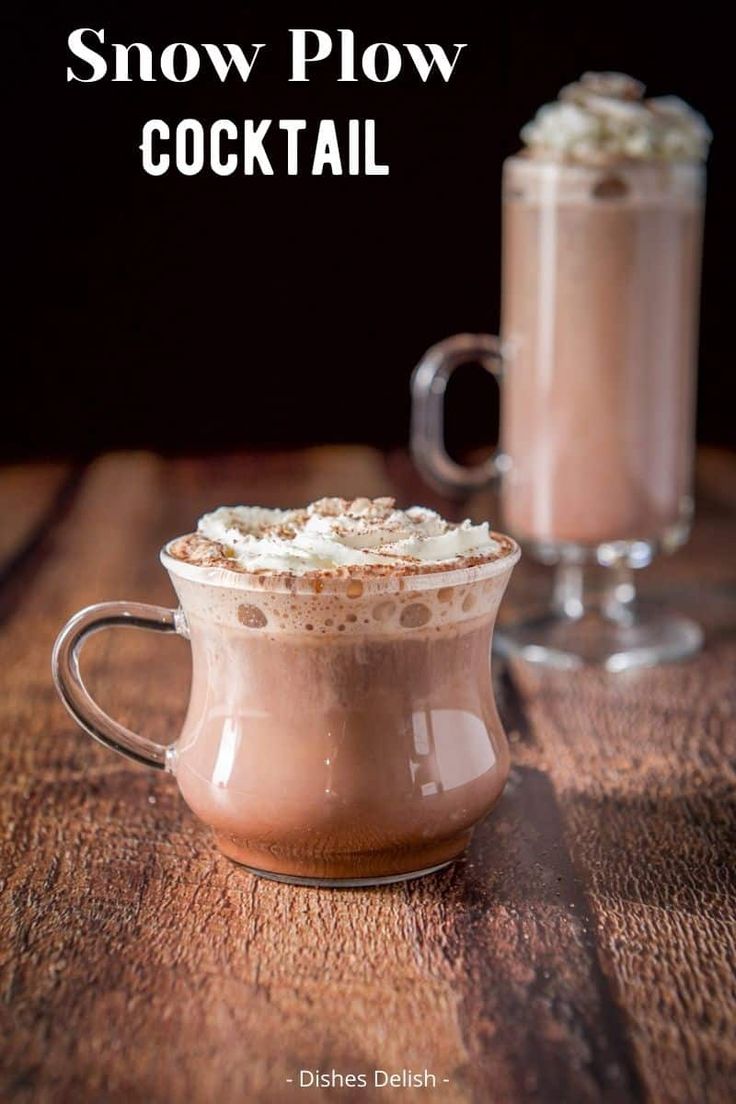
[341,731]
[596,364]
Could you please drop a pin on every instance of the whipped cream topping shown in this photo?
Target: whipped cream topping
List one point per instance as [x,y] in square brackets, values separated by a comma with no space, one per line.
[336,532]
[604,118]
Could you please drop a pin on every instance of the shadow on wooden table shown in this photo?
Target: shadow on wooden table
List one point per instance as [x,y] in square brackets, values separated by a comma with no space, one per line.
[519,923]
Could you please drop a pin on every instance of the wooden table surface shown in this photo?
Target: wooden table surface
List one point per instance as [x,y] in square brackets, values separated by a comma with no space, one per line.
[584,951]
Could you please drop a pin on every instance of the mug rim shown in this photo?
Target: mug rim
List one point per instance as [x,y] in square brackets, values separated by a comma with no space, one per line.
[332,582]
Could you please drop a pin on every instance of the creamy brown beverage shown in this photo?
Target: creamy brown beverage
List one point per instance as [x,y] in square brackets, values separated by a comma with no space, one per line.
[341,723]
[602,221]
[601,268]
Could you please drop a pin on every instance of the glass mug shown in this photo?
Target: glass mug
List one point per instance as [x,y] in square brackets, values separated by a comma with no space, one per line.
[340,731]
[596,363]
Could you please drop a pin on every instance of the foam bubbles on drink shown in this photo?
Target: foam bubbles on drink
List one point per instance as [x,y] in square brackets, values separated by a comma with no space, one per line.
[340,569]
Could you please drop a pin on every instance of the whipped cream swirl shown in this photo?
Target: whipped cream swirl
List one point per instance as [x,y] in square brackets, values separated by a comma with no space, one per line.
[604,118]
[336,532]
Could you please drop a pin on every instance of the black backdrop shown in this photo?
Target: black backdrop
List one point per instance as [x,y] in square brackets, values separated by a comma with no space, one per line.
[195,312]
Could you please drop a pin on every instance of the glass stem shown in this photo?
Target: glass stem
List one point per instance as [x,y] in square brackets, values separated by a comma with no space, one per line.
[569,590]
[608,591]
[619,594]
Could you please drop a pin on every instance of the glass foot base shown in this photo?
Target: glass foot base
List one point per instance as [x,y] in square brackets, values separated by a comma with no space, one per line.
[646,636]
[342,883]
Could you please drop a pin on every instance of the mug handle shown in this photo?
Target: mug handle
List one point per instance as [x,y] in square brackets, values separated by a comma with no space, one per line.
[428,385]
[73,692]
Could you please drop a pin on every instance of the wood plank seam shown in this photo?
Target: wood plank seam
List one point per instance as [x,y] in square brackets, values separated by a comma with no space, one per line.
[25,561]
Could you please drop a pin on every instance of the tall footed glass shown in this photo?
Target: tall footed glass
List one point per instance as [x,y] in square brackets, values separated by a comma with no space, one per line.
[341,730]
[597,358]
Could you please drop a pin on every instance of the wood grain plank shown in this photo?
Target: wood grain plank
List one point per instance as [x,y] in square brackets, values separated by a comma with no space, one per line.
[643,767]
[138,964]
[29,500]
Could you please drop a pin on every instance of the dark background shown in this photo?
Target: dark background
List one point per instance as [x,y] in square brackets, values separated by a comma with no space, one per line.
[194,313]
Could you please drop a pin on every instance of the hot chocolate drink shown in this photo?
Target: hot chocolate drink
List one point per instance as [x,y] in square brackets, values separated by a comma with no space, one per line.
[601,268]
[602,215]
[341,724]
